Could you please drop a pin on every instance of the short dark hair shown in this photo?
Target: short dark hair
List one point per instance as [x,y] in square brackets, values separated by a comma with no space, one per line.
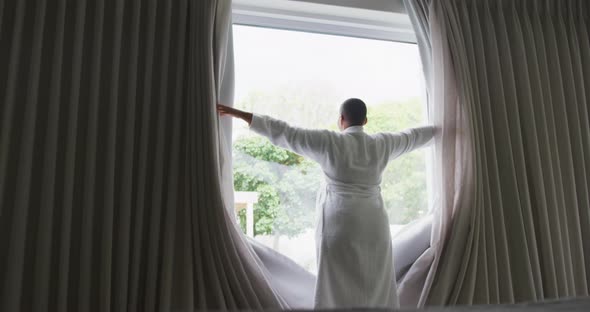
[354,111]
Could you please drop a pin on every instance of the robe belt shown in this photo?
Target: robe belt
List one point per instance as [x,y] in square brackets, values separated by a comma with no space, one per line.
[353,188]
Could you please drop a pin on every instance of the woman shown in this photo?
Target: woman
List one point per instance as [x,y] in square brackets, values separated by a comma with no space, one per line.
[353,242]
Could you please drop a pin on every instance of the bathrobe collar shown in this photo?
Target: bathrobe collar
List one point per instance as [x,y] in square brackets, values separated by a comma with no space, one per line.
[353,129]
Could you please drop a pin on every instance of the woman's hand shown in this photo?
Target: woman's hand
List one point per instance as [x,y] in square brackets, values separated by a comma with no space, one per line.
[224,110]
[228,111]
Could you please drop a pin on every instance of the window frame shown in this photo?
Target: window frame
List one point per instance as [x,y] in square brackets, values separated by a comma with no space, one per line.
[354,20]
[313,17]
[377,20]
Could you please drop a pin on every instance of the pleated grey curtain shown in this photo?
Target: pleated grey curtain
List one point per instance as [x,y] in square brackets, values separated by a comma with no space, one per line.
[110,160]
[522,72]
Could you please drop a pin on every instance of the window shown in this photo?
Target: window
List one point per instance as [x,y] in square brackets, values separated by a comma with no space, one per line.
[302,77]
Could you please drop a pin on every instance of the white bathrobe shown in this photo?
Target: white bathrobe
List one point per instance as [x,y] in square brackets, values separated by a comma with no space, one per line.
[353,241]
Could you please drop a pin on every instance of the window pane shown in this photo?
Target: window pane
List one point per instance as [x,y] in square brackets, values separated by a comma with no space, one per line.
[303,78]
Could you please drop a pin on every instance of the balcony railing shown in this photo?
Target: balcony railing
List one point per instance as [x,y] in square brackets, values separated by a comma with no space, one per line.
[246,200]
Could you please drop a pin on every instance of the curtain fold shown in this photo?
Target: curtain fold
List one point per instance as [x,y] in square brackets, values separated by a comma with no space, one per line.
[452,157]
[418,11]
[112,160]
[522,71]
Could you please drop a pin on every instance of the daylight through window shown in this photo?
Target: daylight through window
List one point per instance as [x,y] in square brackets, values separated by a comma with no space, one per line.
[302,78]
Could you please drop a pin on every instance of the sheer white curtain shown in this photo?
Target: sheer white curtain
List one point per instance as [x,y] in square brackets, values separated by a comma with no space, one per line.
[452,153]
[293,285]
[516,76]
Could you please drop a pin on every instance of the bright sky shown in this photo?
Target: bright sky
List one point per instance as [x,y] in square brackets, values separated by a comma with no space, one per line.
[372,70]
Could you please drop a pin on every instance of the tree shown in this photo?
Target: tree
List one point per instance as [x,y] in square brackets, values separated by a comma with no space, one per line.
[305,106]
[404,181]
[284,181]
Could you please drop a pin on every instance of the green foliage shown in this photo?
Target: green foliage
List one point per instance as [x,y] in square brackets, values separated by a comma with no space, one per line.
[284,180]
[260,148]
[404,181]
[266,210]
[311,107]
[287,183]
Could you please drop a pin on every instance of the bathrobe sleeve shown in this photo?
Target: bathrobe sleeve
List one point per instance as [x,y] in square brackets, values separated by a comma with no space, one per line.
[306,142]
[399,143]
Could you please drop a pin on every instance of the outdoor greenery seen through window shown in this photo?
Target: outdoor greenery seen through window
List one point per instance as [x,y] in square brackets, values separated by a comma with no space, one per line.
[302,78]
